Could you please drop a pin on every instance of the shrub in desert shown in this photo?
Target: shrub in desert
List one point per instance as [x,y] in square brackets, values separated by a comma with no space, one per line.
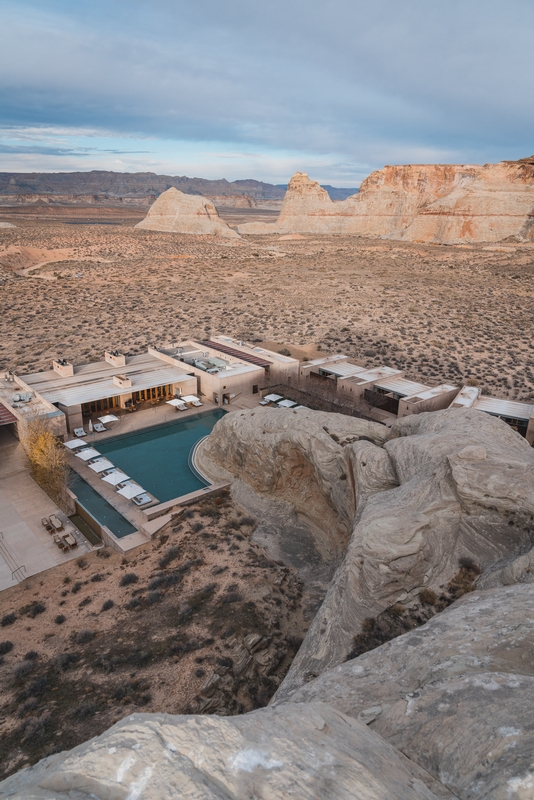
[48,459]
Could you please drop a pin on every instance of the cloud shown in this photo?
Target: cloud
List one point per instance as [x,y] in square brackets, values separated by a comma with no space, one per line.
[348,81]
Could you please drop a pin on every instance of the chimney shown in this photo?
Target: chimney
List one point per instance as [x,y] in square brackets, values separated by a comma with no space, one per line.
[115,358]
[63,368]
[122,380]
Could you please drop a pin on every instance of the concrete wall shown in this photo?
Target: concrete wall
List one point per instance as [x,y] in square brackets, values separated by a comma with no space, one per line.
[530,431]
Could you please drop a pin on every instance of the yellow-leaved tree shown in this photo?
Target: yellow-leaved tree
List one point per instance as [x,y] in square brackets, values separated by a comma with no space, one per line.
[47,457]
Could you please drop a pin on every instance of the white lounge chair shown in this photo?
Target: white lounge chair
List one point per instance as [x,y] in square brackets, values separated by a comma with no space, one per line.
[99,428]
[79,432]
[142,499]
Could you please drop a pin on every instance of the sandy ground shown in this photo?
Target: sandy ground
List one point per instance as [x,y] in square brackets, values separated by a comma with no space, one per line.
[442,313]
[70,666]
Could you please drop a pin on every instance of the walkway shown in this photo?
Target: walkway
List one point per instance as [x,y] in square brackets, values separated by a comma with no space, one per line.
[24,541]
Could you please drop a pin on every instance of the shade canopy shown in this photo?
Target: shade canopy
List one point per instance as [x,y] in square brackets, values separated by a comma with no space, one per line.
[176,402]
[273,398]
[131,490]
[109,418]
[74,443]
[189,398]
[88,454]
[114,478]
[287,404]
[100,465]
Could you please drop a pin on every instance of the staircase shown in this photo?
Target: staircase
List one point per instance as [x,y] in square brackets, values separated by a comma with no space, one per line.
[18,573]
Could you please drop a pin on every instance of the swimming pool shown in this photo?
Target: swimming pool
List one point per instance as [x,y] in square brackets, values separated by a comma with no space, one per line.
[157,457]
[100,509]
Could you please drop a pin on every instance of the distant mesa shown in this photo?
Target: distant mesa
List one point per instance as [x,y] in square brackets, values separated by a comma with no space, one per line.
[435,203]
[176,212]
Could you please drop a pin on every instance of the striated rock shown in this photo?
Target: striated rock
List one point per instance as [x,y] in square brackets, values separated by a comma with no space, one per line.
[293,456]
[177,212]
[455,695]
[316,752]
[412,537]
[442,203]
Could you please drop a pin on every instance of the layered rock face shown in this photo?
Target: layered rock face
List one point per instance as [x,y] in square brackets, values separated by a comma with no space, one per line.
[426,203]
[443,711]
[176,212]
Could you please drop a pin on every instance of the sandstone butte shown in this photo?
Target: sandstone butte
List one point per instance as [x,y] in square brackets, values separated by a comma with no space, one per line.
[442,711]
[441,203]
[176,212]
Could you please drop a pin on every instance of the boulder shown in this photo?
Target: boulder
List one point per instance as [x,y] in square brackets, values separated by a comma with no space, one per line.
[176,212]
[316,752]
[454,695]
[442,203]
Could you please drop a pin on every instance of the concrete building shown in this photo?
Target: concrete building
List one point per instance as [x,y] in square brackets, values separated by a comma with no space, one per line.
[118,381]
[520,416]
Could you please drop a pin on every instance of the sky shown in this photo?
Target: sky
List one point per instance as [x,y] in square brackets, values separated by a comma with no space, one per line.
[241,89]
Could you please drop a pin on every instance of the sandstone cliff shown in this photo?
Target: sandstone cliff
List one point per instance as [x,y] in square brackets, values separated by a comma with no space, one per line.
[176,212]
[427,203]
[443,711]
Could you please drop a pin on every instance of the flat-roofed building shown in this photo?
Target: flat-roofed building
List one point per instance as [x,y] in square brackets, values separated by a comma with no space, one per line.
[520,416]
[323,366]
[101,386]
[221,377]
[280,369]
[429,399]
[466,397]
[361,385]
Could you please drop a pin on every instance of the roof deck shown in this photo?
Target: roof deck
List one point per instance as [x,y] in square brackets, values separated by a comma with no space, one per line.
[94,381]
[466,397]
[504,408]
[428,394]
[375,374]
[401,387]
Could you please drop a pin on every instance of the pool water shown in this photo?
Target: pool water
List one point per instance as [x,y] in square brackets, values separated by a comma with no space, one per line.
[100,509]
[158,458]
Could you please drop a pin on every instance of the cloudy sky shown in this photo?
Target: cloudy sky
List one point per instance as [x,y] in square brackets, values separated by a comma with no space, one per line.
[243,89]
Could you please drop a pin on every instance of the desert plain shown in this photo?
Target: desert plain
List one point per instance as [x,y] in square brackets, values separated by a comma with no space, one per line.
[76,281]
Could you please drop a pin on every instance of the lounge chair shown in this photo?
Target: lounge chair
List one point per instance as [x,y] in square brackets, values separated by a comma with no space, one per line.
[79,432]
[142,499]
[99,428]
[264,402]
[45,522]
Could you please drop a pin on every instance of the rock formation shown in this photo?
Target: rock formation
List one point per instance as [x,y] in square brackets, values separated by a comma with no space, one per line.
[177,212]
[442,711]
[424,203]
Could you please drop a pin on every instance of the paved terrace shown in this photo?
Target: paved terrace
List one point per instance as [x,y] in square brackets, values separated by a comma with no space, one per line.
[22,505]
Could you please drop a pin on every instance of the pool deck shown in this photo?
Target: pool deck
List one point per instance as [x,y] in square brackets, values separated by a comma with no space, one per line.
[23,504]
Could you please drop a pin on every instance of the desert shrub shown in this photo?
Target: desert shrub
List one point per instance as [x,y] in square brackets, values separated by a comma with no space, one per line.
[188,514]
[64,593]
[128,579]
[469,564]
[233,524]
[103,553]
[36,608]
[134,604]
[28,705]
[97,577]
[6,647]
[84,636]
[66,579]
[22,669]
[232,597]
[33,729]
[86,709]
[284,352]
[81,562]
[199,673]
[38,686]
[31,655]
[8,619]
[196,527]
[153,597]
[85,602]
[107,605]
[170,554]
[198,599]
[76,588]
[428,597]
[248,521]
[60,619]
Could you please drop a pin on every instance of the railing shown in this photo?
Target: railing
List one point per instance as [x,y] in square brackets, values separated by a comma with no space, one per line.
[17,572]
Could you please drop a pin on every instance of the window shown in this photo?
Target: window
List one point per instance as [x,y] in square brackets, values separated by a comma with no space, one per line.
[255,389]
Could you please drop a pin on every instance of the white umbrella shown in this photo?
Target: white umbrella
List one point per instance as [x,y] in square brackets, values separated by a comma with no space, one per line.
[273,398]
[100,465]
[115,478]
[86,455]
[131,490]
[109,418]
[90,426]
